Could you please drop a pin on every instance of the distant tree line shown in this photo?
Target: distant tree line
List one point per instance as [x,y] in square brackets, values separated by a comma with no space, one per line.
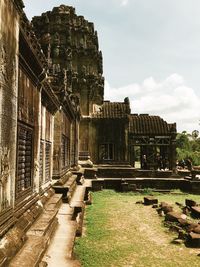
[188,147]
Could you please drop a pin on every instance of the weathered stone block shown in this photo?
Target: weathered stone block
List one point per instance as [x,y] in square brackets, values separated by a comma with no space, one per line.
[186,210]
[174,216]
[196,211]
[197,229]
[174,228]
[191,227]
[194,240]
[166,207]
[183,222]
[190,203]
[155,206]
[150,200]
[160,212]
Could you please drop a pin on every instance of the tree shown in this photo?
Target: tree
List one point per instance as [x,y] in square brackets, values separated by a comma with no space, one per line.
[188,146]
[195,134]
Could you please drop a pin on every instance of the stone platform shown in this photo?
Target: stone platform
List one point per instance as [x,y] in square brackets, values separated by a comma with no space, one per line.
[127,178]
[126,171]
[132,184]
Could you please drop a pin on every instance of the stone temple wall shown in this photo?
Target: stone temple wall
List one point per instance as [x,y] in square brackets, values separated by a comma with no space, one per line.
[9,41]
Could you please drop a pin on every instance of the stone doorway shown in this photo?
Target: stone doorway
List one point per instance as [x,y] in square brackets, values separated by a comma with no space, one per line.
[136,157]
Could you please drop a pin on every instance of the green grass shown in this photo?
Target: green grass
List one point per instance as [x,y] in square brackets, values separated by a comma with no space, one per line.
[119,232]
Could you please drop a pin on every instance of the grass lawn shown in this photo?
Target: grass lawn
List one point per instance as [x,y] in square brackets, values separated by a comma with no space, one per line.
[119,232]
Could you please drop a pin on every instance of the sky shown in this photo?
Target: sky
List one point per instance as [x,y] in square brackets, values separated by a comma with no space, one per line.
[151,53]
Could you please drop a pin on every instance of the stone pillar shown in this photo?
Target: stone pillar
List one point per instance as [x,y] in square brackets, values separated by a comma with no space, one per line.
[172,159]
[37,144]
[57,145]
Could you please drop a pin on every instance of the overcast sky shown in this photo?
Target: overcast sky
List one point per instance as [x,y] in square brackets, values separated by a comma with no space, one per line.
[151,52]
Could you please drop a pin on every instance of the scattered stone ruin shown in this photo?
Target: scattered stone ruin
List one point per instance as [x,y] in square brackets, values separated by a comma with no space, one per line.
[180,221]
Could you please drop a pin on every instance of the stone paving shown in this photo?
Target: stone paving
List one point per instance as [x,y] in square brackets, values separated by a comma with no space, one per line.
[60,251]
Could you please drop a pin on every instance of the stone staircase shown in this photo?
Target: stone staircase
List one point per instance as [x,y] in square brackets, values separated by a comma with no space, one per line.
[70,221]
[50,239]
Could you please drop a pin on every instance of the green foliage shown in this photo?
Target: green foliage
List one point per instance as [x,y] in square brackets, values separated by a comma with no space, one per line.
[188,146]
[147,191]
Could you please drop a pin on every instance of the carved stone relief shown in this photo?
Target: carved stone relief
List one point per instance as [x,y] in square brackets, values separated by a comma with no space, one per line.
[7,64]
[4,176]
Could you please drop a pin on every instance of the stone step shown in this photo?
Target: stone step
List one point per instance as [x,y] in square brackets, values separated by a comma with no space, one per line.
[54,202]
[67,188]
[77,199]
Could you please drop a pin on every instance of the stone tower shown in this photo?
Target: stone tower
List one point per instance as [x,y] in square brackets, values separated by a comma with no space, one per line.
[71,45]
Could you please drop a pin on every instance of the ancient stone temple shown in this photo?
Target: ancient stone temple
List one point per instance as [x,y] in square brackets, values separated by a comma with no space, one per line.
[52,114]
[71,46]
[107,130]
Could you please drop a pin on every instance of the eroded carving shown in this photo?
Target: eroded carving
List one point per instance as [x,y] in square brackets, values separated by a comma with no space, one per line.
[4,176]
[7,64]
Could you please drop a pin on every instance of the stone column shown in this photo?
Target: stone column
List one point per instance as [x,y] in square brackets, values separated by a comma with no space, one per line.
[172,164]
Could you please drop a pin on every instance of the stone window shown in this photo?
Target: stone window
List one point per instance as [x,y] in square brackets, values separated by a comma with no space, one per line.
[65,152]
[106,151]
[45,161]
[41,171]
[24,159]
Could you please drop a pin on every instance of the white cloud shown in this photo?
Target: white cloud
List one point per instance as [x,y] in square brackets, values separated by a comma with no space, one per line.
[171,99]
[124,2]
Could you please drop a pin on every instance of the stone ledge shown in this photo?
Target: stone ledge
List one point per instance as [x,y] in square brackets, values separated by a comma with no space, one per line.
[32,252]
[19,238]
[42,225]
